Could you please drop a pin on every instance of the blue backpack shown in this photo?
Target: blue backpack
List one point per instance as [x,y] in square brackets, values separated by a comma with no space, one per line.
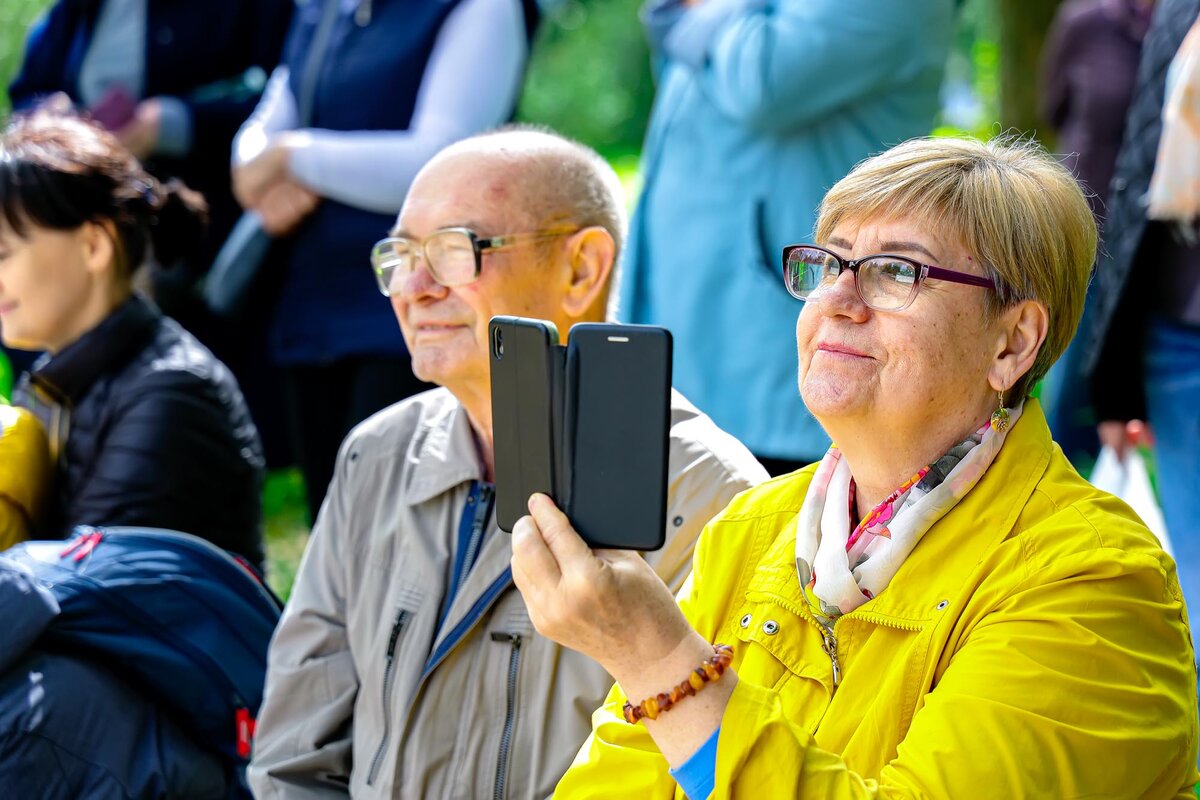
[180,620]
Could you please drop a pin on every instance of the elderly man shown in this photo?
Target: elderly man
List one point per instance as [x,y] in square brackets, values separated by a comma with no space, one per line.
[406,664]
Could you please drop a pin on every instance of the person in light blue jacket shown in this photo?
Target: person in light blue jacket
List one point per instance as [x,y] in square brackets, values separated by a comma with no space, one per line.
[762,105]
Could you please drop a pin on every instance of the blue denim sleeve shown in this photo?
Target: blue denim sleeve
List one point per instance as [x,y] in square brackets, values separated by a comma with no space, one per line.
[693,35]
[658,17]
[697,775]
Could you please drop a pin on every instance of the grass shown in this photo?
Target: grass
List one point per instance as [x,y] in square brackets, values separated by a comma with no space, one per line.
[285,527]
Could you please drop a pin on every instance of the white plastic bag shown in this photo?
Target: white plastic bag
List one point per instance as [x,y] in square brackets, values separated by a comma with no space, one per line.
[1127,479]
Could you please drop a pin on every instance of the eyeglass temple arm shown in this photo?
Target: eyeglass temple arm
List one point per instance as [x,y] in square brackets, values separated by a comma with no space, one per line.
[958,277]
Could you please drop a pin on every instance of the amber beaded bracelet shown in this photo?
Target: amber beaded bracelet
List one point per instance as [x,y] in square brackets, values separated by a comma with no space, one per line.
[712,669]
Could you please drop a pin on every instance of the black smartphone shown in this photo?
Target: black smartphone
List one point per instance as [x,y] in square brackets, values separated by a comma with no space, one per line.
[526,372]
[618,418]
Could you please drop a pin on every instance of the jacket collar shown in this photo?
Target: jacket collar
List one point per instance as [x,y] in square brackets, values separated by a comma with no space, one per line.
[111,344]
[447,454]
[946,555]
[950,550]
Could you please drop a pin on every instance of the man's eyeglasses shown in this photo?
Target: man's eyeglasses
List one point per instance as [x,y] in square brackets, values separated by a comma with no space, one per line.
[883,282]
[454,256]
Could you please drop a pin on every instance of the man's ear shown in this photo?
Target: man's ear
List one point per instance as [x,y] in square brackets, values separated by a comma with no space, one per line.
[1023,329]
[98,242]
[590,254]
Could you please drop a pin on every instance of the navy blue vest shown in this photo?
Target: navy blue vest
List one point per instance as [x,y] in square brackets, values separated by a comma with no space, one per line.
[368,79]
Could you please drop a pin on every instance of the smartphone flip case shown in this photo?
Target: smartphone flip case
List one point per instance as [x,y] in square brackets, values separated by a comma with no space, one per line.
[598,443]
[525,366]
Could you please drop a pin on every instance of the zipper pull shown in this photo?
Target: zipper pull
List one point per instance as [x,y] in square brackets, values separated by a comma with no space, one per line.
[830,648]
[245,732]
[512,638]
[83,544]
[401,618]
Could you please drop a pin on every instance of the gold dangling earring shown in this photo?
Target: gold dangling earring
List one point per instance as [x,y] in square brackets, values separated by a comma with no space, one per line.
[1000,416]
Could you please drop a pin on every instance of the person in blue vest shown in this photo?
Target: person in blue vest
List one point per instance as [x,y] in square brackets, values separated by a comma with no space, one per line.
[762,106]
[367,92]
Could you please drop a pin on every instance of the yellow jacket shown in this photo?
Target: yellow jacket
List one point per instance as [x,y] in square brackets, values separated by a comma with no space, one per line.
[24,473]
[1034,644]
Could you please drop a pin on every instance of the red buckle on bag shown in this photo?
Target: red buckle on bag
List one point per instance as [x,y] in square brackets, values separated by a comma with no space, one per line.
[245,732]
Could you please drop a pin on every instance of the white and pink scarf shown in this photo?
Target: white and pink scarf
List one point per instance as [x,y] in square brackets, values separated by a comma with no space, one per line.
[841,568]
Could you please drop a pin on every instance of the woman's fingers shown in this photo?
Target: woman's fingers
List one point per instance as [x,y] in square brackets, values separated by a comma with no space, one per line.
[533,558]
[570,551]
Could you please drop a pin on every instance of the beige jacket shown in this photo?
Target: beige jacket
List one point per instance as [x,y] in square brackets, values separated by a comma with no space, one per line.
[375,688]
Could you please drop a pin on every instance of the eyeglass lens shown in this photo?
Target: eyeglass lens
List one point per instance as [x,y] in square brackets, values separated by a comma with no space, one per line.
[883,282]
[449,255]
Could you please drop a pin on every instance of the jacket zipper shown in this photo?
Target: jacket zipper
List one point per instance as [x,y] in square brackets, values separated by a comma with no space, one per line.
[885,622]
[829,645]
[482,508]
[828,640]
[510,714]
[477,511]
[397,629]
[828,633]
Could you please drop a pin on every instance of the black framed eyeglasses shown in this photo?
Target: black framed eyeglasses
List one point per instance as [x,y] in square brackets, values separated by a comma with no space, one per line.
[883,281]
[454,256]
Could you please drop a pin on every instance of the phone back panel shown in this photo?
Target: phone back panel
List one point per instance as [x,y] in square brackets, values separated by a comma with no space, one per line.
[621,381]
[523,353]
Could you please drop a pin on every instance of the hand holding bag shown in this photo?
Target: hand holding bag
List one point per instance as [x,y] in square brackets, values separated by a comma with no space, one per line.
[1127,478]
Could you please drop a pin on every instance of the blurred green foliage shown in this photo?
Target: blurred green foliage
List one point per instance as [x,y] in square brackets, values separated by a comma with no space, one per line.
[589,75]
[15,18]
[971,88]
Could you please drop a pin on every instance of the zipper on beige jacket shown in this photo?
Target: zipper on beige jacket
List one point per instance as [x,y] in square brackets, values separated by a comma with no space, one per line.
[397,628]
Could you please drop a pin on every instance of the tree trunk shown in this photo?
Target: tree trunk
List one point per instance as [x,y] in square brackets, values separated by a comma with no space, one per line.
[1023,26]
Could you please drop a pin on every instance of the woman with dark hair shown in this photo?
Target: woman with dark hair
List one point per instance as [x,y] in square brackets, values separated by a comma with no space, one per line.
[146,427]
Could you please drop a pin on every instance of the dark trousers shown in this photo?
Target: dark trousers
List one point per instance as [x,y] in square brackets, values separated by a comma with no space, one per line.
[325,402]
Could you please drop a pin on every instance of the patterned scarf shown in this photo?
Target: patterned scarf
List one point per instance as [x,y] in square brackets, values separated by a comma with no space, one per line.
[841,569]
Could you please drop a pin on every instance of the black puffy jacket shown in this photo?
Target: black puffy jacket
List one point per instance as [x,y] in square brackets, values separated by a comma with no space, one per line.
[148,429]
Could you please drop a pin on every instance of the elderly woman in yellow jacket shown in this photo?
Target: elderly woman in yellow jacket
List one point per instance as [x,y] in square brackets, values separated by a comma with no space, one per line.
[942,607]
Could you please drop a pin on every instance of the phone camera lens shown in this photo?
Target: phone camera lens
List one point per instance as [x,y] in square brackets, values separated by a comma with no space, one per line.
[498,343]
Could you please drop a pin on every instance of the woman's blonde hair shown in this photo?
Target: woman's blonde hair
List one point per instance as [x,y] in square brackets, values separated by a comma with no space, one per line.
[1009,203]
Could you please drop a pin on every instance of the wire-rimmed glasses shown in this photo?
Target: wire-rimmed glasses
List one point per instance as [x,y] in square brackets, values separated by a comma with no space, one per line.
[454,256]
